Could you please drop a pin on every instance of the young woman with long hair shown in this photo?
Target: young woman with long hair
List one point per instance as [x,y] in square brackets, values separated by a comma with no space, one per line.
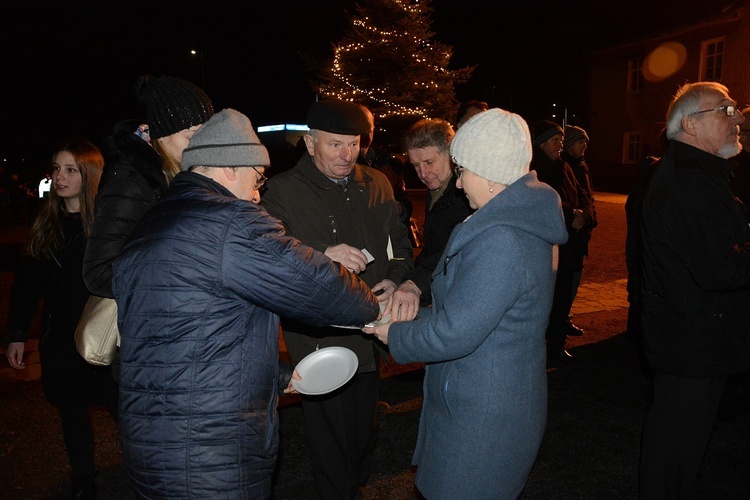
[51,271]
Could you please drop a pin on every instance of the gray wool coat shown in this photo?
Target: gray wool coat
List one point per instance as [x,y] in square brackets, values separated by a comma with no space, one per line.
[485,387]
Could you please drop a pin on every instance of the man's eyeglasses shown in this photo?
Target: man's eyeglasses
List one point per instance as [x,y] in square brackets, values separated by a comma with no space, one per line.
[728,110]
[260,182]
[459,169]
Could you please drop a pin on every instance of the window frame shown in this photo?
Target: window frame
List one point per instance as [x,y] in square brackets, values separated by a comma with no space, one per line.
[715,55]
[631,139]
[634,80]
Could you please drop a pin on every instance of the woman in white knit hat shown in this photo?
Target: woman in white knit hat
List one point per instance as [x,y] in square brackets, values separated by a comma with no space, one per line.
[485,389]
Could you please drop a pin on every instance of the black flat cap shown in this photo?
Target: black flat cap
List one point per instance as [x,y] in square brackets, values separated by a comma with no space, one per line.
[338,117]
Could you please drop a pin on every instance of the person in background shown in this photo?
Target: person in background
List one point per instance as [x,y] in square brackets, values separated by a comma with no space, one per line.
[575,142]
[579,215]
[341,208]
[51,272]
[427,144]
[696,287]
[741,177]
[485,387]
[736,397]
[468,109]
[140,161]
[634,244]
[389,165]
[200,288]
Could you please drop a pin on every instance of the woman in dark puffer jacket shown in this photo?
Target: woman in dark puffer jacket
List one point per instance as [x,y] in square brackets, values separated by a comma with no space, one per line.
[140,161]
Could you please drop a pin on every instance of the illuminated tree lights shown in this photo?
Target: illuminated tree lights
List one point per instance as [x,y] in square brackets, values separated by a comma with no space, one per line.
[388,61]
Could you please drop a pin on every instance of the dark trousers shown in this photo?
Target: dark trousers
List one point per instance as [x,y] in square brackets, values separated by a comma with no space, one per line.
[676,434]
[557,330]
[75,419]
[79,440]
[341,432]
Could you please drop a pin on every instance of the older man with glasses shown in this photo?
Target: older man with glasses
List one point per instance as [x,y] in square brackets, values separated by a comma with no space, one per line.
[696,287]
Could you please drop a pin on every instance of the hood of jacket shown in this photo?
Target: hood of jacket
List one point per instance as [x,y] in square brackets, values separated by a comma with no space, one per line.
[527,205]
[123,147]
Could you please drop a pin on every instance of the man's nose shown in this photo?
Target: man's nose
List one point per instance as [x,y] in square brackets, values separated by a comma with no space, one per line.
[740,118]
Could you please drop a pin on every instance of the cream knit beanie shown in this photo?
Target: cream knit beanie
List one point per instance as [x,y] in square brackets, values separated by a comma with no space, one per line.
[494,144]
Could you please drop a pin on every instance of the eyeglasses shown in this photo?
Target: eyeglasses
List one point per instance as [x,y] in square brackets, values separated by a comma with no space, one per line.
[728,110]
[459,169]
[260,182]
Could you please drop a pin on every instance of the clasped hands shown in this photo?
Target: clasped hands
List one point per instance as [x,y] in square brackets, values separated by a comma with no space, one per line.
[402,302]
[580,218]
[402,305]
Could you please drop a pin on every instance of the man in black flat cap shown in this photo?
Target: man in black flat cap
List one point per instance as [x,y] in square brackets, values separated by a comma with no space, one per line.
[342,208]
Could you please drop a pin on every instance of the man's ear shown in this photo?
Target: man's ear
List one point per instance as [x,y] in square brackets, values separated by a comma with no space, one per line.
[688,125]
[310,144]
[230,173]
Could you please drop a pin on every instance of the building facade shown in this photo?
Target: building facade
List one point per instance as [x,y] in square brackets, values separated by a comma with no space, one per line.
[632,84]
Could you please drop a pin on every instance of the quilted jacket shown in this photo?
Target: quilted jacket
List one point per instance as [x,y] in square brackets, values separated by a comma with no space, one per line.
[200,288]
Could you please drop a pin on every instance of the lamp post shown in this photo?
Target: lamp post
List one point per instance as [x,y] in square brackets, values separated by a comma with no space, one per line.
[203,71]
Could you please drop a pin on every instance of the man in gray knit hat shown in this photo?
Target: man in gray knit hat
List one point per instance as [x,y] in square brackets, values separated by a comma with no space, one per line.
[200,288]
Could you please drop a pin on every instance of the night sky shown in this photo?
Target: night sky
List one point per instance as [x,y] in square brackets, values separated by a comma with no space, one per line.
[68,67]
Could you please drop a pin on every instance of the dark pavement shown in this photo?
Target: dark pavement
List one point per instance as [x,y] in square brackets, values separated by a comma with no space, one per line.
[590,448]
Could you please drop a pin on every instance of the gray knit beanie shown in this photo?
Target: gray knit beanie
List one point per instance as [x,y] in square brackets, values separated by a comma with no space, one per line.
[225,140]
[172,104]
[494,144]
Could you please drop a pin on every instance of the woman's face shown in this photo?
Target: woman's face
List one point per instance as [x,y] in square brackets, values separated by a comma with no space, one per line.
[476,188]
[176,143]
[66,177]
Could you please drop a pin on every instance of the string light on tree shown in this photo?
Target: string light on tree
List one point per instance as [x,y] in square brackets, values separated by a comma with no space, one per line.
[389,61]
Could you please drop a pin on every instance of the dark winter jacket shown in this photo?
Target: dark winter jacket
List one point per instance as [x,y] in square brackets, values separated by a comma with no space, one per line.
[66,377]
[560,176]
[131,183]
[200,288]
[321,214]
[583,175]
[696,267]
[449,210]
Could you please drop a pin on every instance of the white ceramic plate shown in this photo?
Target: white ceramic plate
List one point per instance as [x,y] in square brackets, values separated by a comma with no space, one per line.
[325,370]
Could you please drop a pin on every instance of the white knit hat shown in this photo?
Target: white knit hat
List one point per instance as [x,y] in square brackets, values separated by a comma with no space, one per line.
[494,144]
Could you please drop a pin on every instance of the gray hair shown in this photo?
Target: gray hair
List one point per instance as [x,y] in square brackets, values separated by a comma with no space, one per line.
[426,133]
[687,102]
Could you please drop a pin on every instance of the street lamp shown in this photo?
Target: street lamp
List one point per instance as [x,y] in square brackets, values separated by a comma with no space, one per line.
[203,71]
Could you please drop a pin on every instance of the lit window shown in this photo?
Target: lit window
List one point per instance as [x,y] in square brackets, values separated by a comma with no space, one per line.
[712,59]
[635,75]
[631,147]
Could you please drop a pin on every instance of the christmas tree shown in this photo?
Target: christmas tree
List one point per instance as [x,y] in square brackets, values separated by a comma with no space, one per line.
[388,61]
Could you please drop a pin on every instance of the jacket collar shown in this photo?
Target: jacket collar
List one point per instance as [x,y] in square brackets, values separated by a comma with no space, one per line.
[307,169]
[191,178]
[713,163]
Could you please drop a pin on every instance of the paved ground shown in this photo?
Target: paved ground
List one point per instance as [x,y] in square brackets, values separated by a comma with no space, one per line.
[590,448]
